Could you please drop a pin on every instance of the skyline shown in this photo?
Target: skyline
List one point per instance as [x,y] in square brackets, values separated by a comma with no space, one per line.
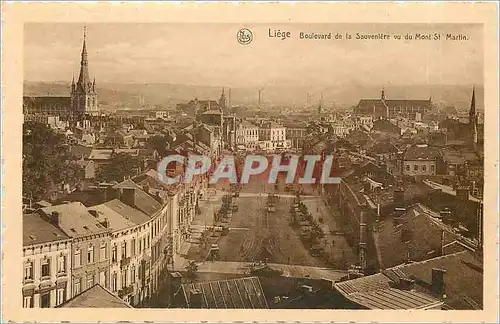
[211,56]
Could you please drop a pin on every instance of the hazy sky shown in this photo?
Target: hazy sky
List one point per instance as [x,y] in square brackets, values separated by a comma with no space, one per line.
[209,54]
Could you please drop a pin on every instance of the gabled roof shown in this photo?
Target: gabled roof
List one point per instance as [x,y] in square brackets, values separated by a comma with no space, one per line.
[95,297]
[243,293]
[37,230]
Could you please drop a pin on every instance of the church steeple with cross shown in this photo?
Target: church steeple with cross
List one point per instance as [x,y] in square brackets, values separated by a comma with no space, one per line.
[83,93]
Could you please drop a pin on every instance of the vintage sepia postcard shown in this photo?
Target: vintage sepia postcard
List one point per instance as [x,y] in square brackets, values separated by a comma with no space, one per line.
[250,162]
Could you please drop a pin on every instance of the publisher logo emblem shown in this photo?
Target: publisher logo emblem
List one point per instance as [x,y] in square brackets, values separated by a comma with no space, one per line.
[244,36]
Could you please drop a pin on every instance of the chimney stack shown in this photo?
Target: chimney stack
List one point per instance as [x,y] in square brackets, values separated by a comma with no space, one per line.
[195,298]
[438,281]
[105,223]
[128,196]
[406,284]
[54,217]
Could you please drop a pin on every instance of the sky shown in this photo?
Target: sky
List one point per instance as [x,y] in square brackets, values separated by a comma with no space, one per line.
[209,54]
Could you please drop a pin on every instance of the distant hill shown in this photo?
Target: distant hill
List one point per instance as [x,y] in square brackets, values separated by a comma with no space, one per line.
[166,95]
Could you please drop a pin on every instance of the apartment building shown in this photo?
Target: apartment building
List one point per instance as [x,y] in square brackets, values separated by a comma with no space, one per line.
[46,263]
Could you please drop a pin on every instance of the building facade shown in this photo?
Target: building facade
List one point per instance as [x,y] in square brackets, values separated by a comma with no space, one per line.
[46,264]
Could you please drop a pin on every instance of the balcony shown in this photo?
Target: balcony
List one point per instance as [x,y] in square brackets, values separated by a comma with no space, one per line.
[125,291]
[61,274]
[27,281]
[124,262]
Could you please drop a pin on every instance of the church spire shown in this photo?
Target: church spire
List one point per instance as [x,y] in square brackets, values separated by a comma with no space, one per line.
[473,119]
[83,78]
[472,112]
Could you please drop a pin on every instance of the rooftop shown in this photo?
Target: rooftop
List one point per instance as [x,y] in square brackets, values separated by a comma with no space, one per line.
[463,285]
[243,293]
[421,152]
[417,234]
[37,230]
[74,219]
[143,201]
[95,297]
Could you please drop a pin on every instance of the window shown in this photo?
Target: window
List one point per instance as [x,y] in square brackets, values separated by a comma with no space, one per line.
[114,254]
[140,245]
[103,251]
[77,286]
[28,270]
[124,278]
[432,167]
[46,268]
[124,249]
[407,167]
[90,254]
[132,247]
[60,296]
[113,282]
[147,238]
[61,264]
[415,167]
[78,258]
[132,274]
[45,300]
[90,280]
[424,168]
[28,301]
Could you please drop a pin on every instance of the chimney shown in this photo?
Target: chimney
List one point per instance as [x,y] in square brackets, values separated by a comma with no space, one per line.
[105,223]
[406,284]
[93,212]
[54,217]
[195,298]
[145,188]
[128,196]
[438,281]
[327,284]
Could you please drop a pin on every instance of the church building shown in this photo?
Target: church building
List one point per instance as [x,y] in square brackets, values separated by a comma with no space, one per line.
[81,103]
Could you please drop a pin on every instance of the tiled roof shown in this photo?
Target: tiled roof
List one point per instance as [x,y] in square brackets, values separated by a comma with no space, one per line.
[116,220]
[420,229]
[143,201]
[95,297]
[463,285]
[421,152]
[74,219]
[463,278]
[47,100]
[37,230]
[244,293]
[130,214]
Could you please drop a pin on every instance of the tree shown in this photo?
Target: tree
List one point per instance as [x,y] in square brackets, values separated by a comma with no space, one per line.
[47,161]
[121,166]
[191,271]
[158,143]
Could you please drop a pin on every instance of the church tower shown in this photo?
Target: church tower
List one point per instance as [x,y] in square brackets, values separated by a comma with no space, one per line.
[83,93]
[473,119]
[222,102]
